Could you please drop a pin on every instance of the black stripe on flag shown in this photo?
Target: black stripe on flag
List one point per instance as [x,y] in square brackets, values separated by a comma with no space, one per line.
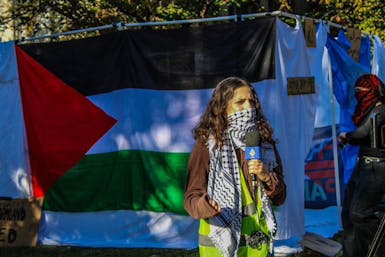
[174,59]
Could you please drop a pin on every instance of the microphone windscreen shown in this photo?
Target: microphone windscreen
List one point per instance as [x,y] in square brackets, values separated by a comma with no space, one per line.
[253,138]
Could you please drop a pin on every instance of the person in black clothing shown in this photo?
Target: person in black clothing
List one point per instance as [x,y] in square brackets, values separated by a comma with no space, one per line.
[365,191]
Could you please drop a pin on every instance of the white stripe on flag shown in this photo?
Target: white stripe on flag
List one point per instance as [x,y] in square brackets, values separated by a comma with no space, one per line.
[151,120]
[142,229]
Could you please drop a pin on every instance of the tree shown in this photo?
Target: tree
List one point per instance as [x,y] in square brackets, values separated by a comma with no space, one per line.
[366,15]
[45,17]
[34,18]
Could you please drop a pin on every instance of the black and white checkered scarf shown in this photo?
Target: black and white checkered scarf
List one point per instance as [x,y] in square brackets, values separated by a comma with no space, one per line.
[224,183]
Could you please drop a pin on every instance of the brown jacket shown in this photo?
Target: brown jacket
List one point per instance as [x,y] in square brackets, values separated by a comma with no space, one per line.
[196,198]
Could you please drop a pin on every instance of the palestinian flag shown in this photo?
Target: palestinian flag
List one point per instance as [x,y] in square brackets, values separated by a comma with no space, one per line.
[108,123]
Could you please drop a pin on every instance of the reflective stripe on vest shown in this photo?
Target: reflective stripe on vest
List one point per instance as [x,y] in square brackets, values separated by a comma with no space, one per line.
[255,241]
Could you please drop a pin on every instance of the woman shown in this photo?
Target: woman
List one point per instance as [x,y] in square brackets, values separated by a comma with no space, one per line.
[235,214]
[365,192]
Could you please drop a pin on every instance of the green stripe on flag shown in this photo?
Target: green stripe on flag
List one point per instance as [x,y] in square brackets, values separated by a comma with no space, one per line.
[124,180]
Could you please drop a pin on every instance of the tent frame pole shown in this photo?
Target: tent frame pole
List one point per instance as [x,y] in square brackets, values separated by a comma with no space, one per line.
[335,147]
[121,25]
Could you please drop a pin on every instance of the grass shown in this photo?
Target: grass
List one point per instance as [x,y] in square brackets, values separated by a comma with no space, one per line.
[64,251]
[47,251]
[67,251]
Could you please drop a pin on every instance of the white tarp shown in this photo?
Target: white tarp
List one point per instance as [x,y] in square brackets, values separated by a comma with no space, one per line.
[292,118]
[14,165]
[378,64]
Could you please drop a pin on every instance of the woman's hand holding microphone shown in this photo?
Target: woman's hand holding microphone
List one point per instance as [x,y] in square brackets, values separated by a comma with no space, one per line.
[256,167]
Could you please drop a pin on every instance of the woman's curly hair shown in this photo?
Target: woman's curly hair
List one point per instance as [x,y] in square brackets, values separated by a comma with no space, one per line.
[214,121]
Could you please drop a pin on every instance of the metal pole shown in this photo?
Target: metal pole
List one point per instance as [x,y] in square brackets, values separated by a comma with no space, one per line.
[165,23]
[255,15]
[335,149]
[69,33]
[128,25]
[378,237]
[120,25]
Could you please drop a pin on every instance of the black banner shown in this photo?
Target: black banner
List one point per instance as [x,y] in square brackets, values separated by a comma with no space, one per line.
[174,59]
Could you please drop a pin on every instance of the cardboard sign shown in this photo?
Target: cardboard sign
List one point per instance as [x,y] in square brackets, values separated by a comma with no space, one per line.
[354,36]
[300,86]
[310,33]
[19,221]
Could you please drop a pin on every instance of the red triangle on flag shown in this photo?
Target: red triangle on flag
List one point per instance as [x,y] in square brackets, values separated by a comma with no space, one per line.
[61,124]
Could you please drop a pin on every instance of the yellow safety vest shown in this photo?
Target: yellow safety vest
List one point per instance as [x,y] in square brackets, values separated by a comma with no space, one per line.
[253,223]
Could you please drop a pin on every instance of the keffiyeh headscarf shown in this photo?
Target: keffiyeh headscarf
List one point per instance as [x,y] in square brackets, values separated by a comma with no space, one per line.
[224,183]
[367,95]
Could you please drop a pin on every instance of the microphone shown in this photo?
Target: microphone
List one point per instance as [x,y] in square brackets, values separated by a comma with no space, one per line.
[253,150]
[253,143]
